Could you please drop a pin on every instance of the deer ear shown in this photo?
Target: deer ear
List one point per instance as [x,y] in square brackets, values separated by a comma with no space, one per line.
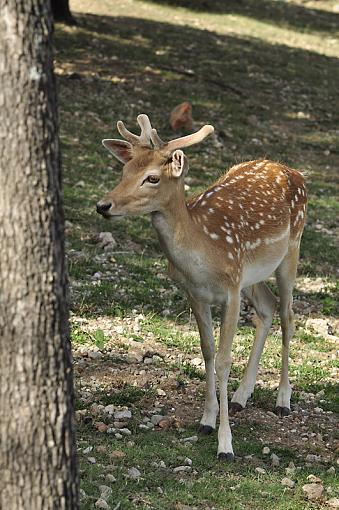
[179,164]
[119,148]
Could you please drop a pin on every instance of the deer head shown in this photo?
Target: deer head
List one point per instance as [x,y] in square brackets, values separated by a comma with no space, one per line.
[153,170]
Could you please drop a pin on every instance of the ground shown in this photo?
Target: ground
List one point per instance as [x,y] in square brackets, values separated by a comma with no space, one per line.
[265,74]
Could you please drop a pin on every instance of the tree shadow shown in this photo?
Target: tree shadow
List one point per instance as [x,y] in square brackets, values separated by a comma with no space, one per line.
[282,14]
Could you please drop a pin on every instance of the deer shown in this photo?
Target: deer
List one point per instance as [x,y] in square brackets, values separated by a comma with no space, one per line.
[221,244]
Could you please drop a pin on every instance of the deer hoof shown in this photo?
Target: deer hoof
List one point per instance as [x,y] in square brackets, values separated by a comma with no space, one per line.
[282,411]
[206,430]
[234,408]
[226,457]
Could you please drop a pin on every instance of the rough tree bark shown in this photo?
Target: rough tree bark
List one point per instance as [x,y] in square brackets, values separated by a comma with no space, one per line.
[38,468]
[61,11]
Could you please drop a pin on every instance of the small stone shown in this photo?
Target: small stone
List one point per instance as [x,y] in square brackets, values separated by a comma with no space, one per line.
[287,482]
[314,479]
[191,439]
[82,494]
[333,503]
[266,450]
[196,362]
[182,469]
[101,503]
[165,423]
[88,450]
[313,491]
[331,470]
[109,409]
[142,426]
[100,426]
[260,471]
[118,436]
[94,354]
[107,240]
[91,460]
[275,460]
[162,464]
[133,473]
[110,478]
[161,392]
[120,424]
[126,432]
[105,491]
[188,461]
[148,361]
[313,458]
[156,418]
[318,410]
[117,454]
[123,415]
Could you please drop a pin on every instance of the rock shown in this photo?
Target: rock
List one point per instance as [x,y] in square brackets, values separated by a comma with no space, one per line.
[110,478]
[117,454]
[331,470]
[120,424]
[156,418]
[188,461]
[275,460]
[196,362]
[142,426]
[192,439]
[87,450]
[287,482]
[266,450]
[126,432]
[313,479]
[105,491]
[313,491]
[161,392]
[106,240]
[123,415]
[101,503]
[91,460]
[118,436]
[182,469]
[271,414]
[260,471]
[100,426]
[290,470]
[82,494]
[333,503]
[313,458]
[162,464]
[133,473]
[109,409]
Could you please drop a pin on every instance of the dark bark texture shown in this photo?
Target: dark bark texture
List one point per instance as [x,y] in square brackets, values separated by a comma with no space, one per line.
[61,11]
[38,468]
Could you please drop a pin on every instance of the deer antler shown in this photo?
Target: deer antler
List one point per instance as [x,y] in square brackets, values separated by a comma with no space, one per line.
[145,136]
[149,134]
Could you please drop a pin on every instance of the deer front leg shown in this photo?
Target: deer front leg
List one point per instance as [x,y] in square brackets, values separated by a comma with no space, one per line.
[202,313]
[229,320]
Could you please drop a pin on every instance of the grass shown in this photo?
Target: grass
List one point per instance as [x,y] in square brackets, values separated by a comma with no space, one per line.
[265,74]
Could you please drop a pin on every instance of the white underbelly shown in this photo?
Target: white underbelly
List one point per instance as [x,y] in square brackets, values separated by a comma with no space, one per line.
[259,271]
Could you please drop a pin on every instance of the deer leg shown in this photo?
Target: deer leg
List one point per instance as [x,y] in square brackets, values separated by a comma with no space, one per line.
[223,361]
[202,313]
[264,303]
[285,275]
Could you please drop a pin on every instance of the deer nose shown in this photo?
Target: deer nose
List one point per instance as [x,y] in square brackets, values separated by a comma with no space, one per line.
[103,207]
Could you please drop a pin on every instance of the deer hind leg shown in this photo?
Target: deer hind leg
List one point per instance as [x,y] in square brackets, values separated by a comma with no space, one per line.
[285,275]
[203,316]
[264,303]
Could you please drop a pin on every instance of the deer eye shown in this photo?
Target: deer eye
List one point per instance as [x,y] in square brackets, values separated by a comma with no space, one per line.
[153,179]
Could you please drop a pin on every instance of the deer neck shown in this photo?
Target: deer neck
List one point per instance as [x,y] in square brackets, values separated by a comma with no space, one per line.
[174,227]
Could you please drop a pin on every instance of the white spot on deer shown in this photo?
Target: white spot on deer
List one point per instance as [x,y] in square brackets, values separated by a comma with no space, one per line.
[230,255]
[214,236]
[229,239]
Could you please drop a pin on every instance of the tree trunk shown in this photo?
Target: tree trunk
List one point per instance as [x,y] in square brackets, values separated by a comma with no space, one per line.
[61,11]
[38,468]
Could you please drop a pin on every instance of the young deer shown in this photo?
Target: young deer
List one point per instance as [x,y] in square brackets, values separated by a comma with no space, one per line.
[225,241]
